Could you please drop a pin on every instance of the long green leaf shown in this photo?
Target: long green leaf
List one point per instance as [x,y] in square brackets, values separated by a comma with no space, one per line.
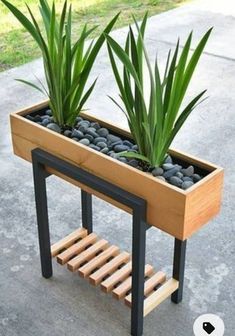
[124,59]
[182,118]
[176,94]
[139,46]
[30,84]
[134,155]
[119,106]
[157,138]
[91,59]
[128,103]
[170,77]
[72,116]
[194,61]
[126,74]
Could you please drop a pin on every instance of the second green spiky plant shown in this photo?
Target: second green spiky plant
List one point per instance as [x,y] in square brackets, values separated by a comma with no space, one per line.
[155,120]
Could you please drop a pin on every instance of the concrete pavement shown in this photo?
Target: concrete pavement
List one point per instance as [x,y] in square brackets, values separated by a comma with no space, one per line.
[67,305]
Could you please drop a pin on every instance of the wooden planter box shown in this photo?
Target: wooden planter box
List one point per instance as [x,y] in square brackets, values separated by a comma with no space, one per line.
[171,209]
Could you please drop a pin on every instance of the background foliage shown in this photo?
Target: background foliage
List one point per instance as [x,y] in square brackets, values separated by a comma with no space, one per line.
[17,47]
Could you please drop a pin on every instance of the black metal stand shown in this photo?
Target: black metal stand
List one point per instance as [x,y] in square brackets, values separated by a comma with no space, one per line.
[41,160]
[87,211]
[178,269]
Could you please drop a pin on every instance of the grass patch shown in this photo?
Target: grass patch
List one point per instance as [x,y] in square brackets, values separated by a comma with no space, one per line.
[17,47]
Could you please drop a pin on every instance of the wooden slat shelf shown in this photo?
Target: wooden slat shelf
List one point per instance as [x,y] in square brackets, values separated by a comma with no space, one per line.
[103,264]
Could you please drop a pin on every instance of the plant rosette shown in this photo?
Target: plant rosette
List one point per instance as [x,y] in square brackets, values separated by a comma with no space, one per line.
[154,120]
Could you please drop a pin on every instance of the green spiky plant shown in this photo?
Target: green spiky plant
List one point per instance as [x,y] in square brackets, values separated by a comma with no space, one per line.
[154,121]
[67,65]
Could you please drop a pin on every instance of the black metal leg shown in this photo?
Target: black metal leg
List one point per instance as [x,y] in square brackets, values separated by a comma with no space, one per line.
[178,269]
[42,218]
[138,266]
[87,211]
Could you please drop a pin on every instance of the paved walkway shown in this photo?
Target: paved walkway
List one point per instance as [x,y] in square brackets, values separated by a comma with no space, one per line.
[66,305]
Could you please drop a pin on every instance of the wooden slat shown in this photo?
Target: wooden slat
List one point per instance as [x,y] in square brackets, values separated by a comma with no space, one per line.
[67,241]
[98,261]
[121,291]
[156,279]
[75,249]
[160,295]
[109,268]
[119,276]
[87,255]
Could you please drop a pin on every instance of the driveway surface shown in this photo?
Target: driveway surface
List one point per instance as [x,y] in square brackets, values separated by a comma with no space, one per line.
[67,305]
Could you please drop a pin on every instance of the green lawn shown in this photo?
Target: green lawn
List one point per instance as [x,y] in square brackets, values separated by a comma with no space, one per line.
[17,46]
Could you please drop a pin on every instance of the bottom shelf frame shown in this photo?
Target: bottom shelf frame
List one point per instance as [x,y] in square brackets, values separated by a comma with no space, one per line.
[104,265]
